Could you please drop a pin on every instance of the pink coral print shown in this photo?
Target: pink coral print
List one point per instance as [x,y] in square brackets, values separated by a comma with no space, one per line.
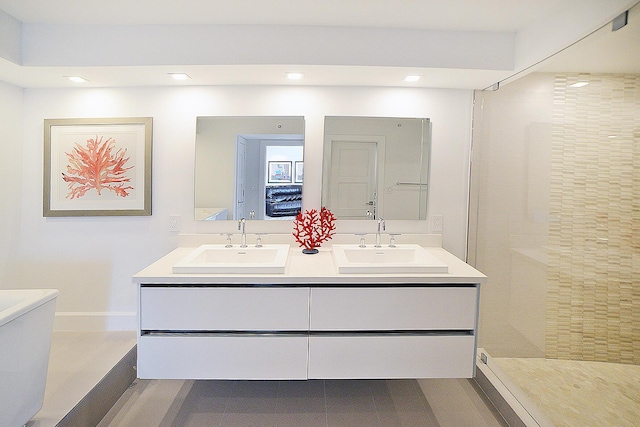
[97,166]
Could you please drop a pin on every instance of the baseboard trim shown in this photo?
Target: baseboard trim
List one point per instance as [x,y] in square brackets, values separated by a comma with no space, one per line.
[95,321]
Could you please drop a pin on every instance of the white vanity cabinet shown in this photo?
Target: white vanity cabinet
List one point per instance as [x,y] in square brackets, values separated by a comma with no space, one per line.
[198,332]
[393,332]
[213,331]
[309,322]
[224,308]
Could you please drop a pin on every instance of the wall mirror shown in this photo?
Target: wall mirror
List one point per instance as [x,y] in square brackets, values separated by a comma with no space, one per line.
[248,167]
[376,167]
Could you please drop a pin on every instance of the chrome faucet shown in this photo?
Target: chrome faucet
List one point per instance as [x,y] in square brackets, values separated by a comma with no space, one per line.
[381,224]
[243,238]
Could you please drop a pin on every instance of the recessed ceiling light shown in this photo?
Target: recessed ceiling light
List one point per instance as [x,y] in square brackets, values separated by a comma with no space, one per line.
[180,76]
[294,76]
[579,84]
[411,78]
[77,79]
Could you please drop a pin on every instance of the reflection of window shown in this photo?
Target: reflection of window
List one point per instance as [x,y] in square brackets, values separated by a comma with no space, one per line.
[299,176]
[279,172]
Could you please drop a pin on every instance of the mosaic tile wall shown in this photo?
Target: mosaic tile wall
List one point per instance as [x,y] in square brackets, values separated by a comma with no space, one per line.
[593,300]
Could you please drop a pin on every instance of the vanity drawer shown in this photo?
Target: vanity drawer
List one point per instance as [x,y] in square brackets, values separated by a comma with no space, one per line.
[391,356]
[247,357]
[224,308]
[394,308]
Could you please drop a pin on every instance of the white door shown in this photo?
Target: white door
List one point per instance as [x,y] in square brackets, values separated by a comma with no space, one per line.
[241,157]
[353,188]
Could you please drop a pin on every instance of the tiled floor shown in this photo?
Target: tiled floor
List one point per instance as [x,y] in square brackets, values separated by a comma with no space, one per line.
[313,403]
[577,393]
[569,393]
[80,360]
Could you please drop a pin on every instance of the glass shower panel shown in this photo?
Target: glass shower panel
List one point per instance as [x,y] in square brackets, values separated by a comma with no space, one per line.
[509,231]
[555,225]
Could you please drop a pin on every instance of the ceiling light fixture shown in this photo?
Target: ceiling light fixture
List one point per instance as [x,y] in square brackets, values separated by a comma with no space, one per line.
[180,76]
[412,78]
[294,76]
[76,79]
[579,84]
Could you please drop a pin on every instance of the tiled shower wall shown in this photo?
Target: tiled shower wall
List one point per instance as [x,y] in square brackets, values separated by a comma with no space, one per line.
[593,287]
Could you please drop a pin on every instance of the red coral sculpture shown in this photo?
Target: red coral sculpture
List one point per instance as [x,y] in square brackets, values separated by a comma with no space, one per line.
[314,227]
[97,166]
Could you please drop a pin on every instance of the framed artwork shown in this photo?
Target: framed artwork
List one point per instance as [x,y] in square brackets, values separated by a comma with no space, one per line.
[299,176]
[97,167]
[279,172]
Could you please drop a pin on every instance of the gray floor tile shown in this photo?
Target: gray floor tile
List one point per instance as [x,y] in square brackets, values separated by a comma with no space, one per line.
[407,419]
[312,403]
[299,419]
[315,403]
[354,418]
[202,406]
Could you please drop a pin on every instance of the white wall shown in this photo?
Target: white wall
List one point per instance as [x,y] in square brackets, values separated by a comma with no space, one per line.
[10,173]
[91,260]
[10,38]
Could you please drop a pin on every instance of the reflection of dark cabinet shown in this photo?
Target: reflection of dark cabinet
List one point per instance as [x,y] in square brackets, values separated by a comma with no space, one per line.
[283,200]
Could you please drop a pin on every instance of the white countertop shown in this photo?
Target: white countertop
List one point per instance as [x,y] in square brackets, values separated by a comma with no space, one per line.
[303,269]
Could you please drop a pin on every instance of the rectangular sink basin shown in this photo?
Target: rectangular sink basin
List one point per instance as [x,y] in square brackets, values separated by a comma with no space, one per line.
[405,258]
[217,259]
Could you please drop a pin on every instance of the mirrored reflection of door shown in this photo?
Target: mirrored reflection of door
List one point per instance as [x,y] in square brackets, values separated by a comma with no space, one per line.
[401,167]
[353,177]
[241,157]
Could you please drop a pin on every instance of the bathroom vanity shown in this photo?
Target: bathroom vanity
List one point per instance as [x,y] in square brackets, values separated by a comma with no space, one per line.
[310,322]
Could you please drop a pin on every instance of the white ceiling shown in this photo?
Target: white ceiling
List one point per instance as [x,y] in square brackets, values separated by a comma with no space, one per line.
[603,51]
[611,52]
[466,15]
